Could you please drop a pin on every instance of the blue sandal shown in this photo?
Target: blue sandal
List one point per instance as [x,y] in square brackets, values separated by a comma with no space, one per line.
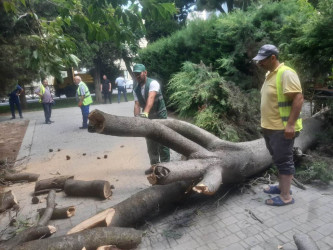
[274,190]
[278,202]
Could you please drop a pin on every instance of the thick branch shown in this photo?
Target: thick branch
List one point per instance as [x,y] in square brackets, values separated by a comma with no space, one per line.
[103,123]
[30,177]
[51,183]
[211,181]
[123,238]
[44,220]
[59,213]
[96,188]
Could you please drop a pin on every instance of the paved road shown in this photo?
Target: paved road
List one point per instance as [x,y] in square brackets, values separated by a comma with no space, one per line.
[219,222]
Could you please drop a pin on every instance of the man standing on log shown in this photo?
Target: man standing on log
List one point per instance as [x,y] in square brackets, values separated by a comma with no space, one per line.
[281,104]
[83,94]
[148,96]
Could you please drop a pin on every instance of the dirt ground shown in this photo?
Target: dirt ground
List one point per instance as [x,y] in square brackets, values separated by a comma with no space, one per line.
[11,136]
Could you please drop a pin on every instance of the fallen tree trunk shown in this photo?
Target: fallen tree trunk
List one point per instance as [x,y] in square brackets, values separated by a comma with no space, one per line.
[18,177]
[52,183]
[211,159]
[46,191]
[35,232]
[304,242]
[139,206]
[123,238]
[59,213]
[96,188]
[7,200]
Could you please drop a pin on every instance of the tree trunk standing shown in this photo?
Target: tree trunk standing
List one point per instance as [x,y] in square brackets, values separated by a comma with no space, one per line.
[23,99]
[210,158]
[97,80]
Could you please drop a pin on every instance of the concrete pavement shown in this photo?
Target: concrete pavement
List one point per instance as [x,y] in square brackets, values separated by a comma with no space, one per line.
[223,221]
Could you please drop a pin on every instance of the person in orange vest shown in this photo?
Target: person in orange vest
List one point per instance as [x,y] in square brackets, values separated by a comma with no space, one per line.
[281,104]
[45,97]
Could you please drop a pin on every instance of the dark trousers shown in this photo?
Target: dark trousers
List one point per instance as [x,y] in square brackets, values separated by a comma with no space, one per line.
[122,90]
[47,111]
[15,101]
[107,95]
[157,152]
[281,150]
[85,113]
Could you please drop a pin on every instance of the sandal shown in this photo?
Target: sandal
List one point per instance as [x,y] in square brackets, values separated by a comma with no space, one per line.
[278,202]
[274,190]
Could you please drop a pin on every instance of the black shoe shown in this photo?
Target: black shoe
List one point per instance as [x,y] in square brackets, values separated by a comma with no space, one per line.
[13,118]
[83,127]
[51,121]
[21,116]
[48,122]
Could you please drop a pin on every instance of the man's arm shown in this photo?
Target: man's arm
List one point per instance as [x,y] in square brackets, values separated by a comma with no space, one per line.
[109,86]
[150,101]
[289,131]
[136,108]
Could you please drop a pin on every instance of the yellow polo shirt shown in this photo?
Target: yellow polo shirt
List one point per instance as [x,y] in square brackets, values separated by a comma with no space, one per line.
[270,116]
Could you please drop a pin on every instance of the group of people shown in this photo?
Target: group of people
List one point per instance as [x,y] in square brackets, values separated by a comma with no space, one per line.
[106,88]
[281,103]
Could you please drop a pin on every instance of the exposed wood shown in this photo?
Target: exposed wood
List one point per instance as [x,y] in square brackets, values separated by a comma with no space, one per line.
[59,213]
[102,219]
[304,242]
[91,239]
[18,177]
[44,220]
[7,200]
[96,188]
[29,234]
[52,183]
[109,247]
[143,204]
[207,154]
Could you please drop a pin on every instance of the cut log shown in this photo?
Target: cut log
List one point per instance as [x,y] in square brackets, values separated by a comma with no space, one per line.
[96,188]
[18,177]
[29,234]
[44,220]
[102,219]
[109,247]
[52,183]
[46,191]
[7,200]
[207,154]
[59,213]
[91,239]
[304,242]
[141,205]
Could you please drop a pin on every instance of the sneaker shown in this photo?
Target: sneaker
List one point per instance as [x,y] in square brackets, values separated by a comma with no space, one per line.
[21,116]
[12,118]
[48,122]
[51,121]
[83,127]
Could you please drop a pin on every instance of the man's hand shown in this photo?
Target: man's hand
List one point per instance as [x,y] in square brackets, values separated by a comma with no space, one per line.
[144,115]
[289,131]
[80,104]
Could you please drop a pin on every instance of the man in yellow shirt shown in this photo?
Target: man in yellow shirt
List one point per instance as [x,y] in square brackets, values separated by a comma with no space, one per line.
[281,104]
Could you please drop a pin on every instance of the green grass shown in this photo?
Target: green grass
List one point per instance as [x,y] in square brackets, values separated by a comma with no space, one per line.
[62,103]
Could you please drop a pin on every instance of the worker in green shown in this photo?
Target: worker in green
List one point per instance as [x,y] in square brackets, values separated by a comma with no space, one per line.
[84,97]
[281,104]
[148,97]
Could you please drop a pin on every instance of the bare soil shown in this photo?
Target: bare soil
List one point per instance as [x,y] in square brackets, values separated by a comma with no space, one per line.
[11,137]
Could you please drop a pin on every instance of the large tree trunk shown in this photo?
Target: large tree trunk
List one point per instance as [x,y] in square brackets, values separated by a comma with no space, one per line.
[123,238]
[211,160]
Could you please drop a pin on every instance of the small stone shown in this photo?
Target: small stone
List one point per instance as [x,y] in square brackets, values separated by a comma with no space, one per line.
[98,158]
[35,200]
[122,146]
[50,150]
[84,154]
[12,222]
[59,149]
[105,156]
[112,187]
[67,157]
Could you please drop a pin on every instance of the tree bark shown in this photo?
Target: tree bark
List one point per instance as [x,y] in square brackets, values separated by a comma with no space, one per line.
[97,188]
[30,177]
[91,239]
[44,220]
[209,157]
[7,200]
[304,242]
[97,80]
[51,183]
[141,205]
[59,213]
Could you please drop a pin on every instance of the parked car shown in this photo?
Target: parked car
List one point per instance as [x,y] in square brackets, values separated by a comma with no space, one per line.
[129,84]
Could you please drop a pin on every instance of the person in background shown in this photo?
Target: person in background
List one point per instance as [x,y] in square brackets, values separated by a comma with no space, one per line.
[281,104]
[15,100]
[106,89]
[84,98]
[121,84]
[45,97]
[148,97]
